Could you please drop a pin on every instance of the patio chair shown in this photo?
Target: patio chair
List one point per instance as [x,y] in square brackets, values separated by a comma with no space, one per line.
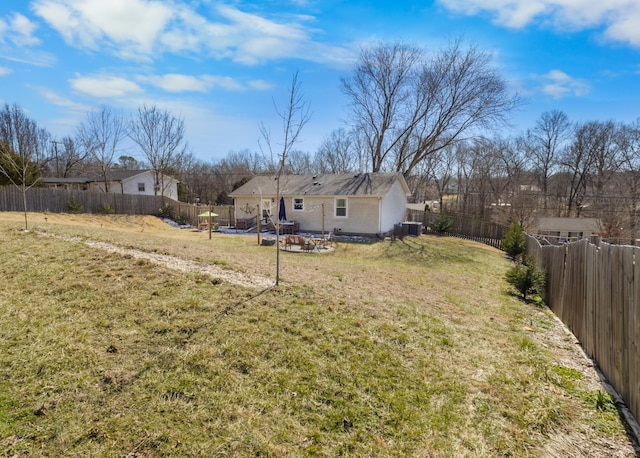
[327,240]
[291,240]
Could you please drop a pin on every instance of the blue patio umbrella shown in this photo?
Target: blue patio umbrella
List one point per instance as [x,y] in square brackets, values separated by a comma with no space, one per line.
[282,213]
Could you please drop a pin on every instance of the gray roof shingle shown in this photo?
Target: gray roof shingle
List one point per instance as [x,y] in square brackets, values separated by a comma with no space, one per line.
[345,184]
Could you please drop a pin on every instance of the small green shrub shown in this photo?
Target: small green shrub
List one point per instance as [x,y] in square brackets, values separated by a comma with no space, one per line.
[514,242]
[165,211]
[527,279]
[443,224]
[182,219]
[73,206]
[106,209]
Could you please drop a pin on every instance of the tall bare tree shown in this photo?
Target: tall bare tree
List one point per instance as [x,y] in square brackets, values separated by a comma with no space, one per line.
[294,116]
[380,94]
[70,159]
[544,144]
[100,136]
[578,163]
[337,153]
[606,162]
[160,136]
[20,149]
[628,141]
[441,170]
[409,107]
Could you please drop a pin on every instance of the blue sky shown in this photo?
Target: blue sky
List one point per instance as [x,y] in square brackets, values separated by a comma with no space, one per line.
[222,65]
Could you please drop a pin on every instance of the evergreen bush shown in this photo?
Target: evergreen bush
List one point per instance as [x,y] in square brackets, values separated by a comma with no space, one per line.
[527,279]
[106,209]
[443,224]
[514,241]
[73,206]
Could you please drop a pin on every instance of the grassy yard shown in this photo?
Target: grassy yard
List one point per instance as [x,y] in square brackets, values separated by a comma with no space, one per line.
[389,349]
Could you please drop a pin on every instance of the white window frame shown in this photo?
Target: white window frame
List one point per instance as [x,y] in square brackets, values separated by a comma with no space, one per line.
[141,187]
[336,207]
[295,204]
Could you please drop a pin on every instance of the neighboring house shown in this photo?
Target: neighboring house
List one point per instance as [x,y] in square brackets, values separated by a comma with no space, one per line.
[566,229]
[365,203]
[139,182]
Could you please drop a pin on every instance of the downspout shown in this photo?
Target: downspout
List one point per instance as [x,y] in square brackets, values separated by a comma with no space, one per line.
[380,215]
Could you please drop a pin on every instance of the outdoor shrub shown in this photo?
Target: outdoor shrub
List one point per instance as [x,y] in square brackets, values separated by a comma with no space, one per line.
[182,219]
[443,224]
[106,209]
[514,241]
[73,206]
[527,279]
[165,211]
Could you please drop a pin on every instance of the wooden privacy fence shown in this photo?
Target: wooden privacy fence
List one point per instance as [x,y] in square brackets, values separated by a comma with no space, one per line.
[184,212]
[468,228]
[58,200]
[595,290]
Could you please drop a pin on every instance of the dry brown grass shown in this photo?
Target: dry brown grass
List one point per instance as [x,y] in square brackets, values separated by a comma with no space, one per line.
[407,348]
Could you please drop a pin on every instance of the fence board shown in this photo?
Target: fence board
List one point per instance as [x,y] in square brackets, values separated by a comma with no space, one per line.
[57,200]
[634,339]
[595,291]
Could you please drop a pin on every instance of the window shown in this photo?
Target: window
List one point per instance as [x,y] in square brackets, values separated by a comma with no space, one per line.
[140,187]
[298,204]
[341,208]
[266,208]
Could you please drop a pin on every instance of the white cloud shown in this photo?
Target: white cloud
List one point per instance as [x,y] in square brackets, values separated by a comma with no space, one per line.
[130,27]
[19,30]
[5,71]
[260,85]
[104,86]
[31,57]
[619,20]
[144,29]
[58,100]
[558,84]
[174,82]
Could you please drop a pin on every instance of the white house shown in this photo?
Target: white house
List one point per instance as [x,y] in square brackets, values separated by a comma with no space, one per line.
[140,182]
[365,203]
[566,229]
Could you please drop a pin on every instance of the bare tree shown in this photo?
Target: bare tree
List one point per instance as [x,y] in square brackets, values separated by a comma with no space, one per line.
[100,135]
[70,160]
[606,162]
[441,170]
[577,162]
[160,136]
[338,153]
[299,163]
[20,149]
[294,117]
[409,107]
[379,90]
[628,186]
[544,144]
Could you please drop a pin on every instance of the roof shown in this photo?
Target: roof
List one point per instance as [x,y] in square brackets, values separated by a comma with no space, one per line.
[344,184]
[119,175]
[591,225]
[74,180]
[112,175]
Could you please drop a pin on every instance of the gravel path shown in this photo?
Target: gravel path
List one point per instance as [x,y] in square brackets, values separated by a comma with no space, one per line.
[182,265]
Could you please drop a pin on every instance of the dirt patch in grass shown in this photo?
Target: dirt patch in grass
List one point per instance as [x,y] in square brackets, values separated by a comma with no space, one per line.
[406,348]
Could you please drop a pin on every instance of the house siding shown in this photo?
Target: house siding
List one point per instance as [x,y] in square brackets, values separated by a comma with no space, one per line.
[375,206]
[130,185]
[393,208]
